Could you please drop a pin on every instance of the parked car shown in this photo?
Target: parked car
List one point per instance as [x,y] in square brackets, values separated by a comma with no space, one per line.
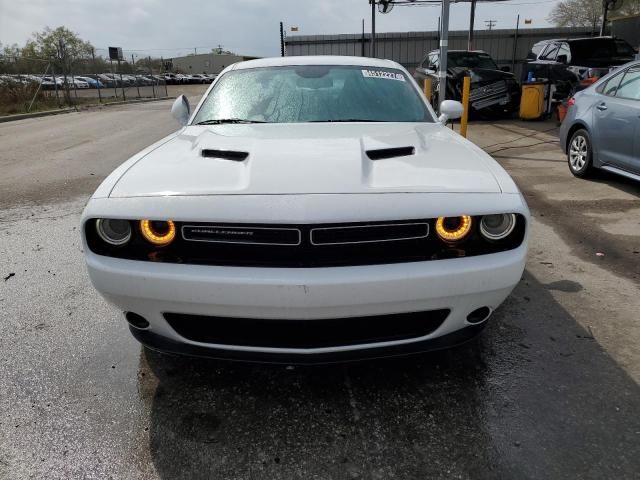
[51,83]
[602,126]
[91,82]
[180,78]
[108,80]
[584,60]
[199,78]
[493,90]
[171,78]
[75,82]
[351,223]
[146,80]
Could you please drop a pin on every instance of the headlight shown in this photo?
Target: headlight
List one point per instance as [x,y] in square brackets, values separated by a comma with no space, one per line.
[497,227]
[114,232]
[453,229]
[159,233]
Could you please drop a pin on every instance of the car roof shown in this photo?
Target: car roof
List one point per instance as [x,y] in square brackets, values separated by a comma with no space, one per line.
[460,51]
[316,60]
[581,39]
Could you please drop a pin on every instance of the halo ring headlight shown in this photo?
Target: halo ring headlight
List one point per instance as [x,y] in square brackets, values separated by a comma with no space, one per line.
[453,229]
[113,231]
[158,233]
[497,227]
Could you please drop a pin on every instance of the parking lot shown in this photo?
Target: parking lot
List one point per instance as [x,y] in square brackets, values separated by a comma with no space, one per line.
[550,390]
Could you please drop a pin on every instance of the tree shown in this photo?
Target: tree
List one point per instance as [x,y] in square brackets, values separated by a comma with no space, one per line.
[577,13]
[149,64]
[62,47]
[587,13]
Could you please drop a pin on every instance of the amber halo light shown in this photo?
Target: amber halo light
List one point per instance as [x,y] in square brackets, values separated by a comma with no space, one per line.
[453,229]
[159,233]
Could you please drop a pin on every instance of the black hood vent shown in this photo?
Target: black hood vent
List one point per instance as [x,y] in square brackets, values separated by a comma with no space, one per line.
[225,154]
[383,153]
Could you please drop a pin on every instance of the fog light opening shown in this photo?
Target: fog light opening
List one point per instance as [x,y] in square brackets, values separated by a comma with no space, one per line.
[479,315]
[136,321]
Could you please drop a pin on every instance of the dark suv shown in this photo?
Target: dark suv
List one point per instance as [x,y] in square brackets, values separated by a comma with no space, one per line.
[493,90]
[583,60]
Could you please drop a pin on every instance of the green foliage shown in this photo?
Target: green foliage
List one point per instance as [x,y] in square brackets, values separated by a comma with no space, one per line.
[587,13]
[66,53]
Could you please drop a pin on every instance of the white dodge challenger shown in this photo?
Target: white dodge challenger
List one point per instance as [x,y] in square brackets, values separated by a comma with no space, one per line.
[310,209]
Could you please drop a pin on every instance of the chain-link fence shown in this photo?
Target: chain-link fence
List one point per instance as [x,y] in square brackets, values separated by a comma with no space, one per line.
[30,84]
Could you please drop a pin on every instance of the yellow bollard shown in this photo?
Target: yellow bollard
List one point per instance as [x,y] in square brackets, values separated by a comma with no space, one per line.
[427,89]
[466,93]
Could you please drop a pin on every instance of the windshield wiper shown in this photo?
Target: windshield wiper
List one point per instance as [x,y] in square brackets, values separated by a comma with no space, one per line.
[220,121]
[343,120]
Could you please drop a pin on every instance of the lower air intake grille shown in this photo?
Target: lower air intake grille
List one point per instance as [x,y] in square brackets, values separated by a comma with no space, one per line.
[252,332]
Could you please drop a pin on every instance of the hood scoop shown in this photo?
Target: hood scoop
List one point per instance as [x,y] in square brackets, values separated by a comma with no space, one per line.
[384,153]
[232,155]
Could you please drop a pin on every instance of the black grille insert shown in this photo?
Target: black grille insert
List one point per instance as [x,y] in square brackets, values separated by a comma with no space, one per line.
[369,233]
[246,235]
[334,332]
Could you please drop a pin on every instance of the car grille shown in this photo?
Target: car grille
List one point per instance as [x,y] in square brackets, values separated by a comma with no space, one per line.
[305,246]
[486,95]
[334,332]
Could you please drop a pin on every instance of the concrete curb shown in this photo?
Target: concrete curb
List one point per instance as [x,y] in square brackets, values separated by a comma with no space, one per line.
[25,116]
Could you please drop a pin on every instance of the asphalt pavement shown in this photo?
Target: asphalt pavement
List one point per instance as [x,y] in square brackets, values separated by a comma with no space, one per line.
[550,390]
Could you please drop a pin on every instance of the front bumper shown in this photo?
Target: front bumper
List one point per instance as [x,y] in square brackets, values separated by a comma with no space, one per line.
[460,285]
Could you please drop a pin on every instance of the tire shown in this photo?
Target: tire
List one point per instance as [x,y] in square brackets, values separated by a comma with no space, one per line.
[580,154]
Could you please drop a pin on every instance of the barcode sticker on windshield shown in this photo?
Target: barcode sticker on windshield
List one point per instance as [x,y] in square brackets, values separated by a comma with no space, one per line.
[383,74]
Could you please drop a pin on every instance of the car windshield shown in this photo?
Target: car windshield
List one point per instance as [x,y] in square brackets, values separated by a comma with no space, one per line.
[584,52]
[471,60]
[313,93]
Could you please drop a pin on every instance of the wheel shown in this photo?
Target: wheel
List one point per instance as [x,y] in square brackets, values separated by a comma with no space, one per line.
[580,154]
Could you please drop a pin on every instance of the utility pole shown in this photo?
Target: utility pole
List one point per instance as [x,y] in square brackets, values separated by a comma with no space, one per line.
[490,24]
[372,52]
[515,46]
[605,14]
[444,51]
[362,40]
[93,56]
[281,39]
[472,20]
[133,68]
[195,50]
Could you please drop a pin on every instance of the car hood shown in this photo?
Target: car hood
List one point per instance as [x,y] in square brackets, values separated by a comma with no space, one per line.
[308,158]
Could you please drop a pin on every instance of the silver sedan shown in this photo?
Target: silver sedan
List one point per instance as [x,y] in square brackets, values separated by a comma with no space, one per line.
[602,126]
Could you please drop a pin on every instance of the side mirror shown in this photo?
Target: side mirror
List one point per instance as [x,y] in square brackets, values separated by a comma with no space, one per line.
[563,59]
[181,110]
[506,69]
[450,110]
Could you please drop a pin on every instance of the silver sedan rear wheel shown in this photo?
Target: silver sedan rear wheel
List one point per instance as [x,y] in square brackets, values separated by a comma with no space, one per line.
[580,153]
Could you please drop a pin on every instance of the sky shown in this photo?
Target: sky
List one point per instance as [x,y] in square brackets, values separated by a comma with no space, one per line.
[249,27]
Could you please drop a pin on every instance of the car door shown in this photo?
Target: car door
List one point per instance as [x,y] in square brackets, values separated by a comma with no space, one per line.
[616,115]
[628,96]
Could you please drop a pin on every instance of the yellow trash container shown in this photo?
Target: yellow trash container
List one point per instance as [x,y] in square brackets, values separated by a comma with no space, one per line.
[532,101]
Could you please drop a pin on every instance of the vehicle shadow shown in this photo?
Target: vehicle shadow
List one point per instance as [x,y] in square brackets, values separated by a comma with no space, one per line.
[627,185]
[534,397]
